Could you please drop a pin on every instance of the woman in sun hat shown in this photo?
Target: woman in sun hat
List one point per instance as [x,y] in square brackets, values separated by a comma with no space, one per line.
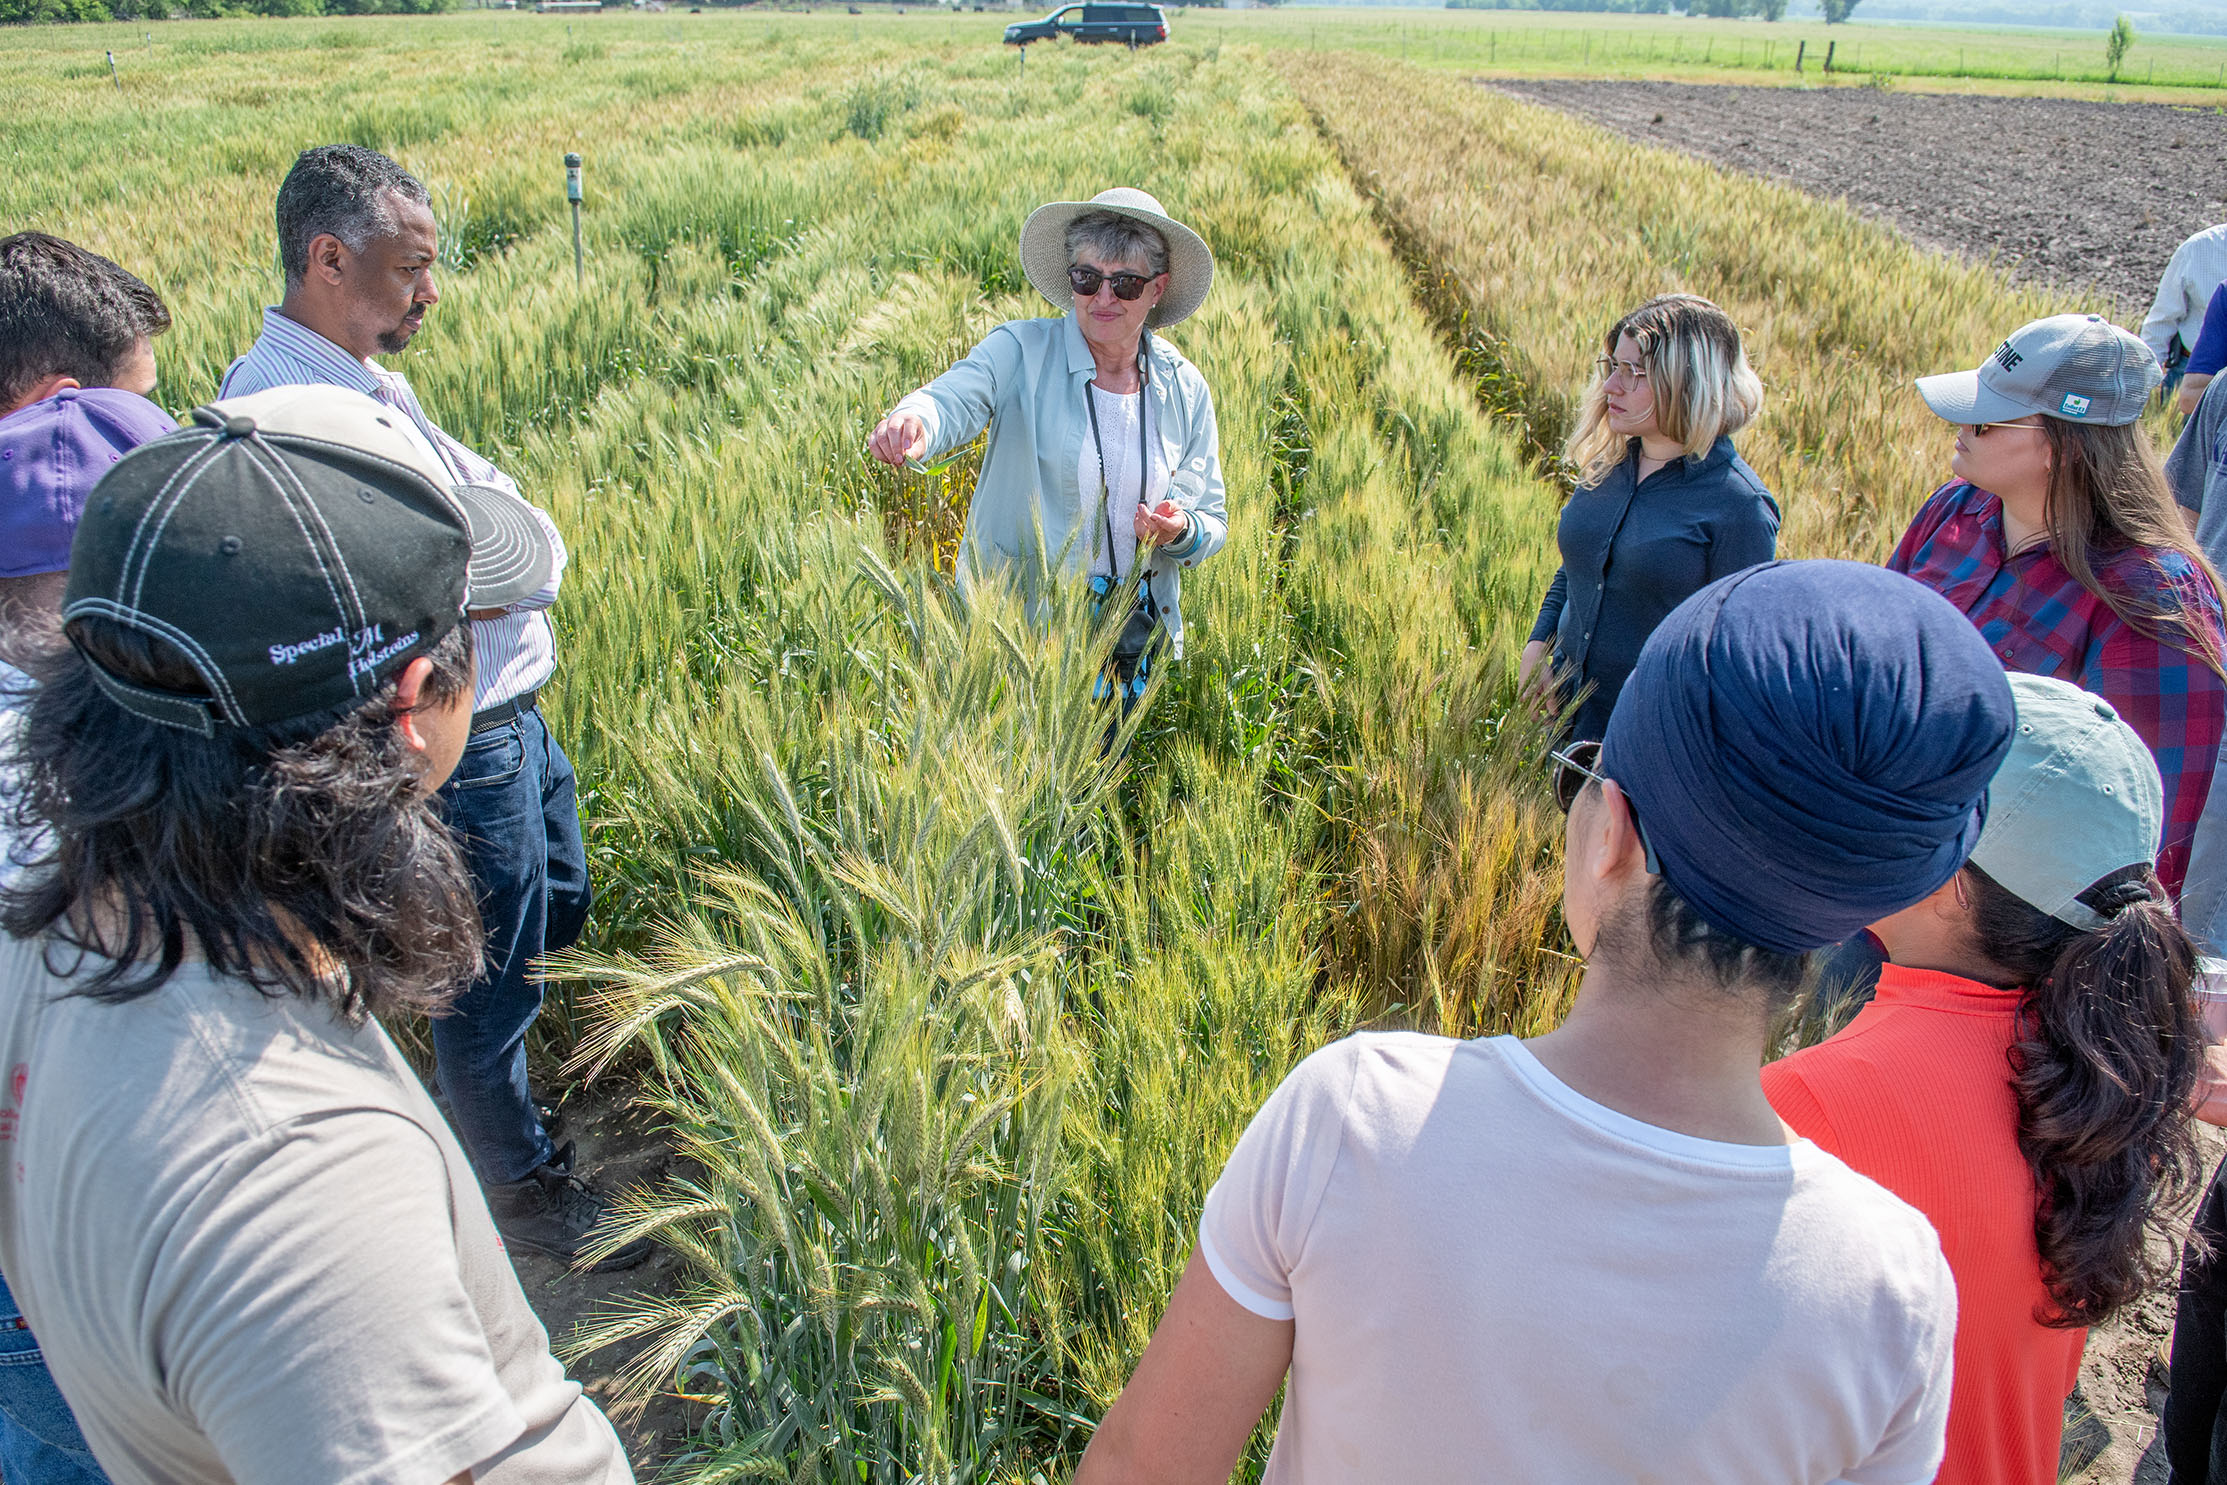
[2022,1075]
[1102,440]
[1664,504]
[2059,539]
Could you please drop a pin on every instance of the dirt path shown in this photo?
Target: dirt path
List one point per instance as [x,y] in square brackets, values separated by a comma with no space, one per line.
[619,1147]
[2056,190]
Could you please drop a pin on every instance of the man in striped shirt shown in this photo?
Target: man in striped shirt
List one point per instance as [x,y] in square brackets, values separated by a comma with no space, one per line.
[358,242]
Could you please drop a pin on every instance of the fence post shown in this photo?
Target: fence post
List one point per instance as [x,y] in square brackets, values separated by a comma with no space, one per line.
[117,78]
[572,194]
[1828,67]
[1800,52]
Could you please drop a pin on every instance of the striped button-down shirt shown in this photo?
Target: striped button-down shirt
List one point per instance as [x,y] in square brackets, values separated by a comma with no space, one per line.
[515,651]
[2041,621]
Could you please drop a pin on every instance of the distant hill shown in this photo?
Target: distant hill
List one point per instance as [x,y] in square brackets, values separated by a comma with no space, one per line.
[2181,17]
[2171,17]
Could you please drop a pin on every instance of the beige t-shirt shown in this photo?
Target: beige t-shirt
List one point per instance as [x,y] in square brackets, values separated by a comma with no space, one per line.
[252,1251]
[1495,1278]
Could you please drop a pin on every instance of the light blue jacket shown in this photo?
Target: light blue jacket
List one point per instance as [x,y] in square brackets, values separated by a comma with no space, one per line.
[1025,382]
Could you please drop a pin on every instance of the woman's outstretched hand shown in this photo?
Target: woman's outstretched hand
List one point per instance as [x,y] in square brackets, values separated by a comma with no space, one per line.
[897,438]
[1164,523]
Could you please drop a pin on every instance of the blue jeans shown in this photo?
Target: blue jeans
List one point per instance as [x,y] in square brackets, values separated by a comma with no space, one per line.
[513,803]
[39,1440]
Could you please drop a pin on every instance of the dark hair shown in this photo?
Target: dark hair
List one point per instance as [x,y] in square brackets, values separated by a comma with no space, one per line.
[2108,1049]
[341,189]
[256,848]
[1689,945]
[1683,940]
[65,311]
[2107,495]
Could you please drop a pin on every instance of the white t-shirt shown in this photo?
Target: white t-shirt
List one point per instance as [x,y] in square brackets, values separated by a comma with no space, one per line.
[1117,427]
[1493,1277]
[252,1251]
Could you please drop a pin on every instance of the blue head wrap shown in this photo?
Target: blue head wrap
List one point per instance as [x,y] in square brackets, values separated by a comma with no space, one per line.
[1808,747]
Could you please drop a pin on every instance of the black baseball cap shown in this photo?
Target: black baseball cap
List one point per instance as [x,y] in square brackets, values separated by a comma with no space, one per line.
[298,547]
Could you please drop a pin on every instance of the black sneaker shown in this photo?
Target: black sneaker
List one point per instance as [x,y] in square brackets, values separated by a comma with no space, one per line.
[552,1211]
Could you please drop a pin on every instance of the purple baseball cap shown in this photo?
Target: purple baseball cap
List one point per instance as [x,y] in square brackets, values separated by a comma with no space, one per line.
[52,453]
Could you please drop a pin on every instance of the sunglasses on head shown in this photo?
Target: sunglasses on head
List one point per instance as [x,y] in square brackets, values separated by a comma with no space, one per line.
[1577,764]
[1126,286]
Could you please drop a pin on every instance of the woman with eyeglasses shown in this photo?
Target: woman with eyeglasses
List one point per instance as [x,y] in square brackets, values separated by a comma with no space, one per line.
[1664,506]
[1103,456]
[2023,1077]
[2059,539]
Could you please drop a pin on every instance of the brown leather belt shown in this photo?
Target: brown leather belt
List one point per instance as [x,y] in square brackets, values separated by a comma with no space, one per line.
[503,711]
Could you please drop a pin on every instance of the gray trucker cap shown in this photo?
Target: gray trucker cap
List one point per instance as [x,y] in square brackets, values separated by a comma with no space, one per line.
[2081,368]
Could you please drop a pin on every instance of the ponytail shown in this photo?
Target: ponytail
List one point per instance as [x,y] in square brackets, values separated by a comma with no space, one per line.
[2108,1050]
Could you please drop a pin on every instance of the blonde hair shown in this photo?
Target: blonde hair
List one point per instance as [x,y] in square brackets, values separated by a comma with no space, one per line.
[1704,388]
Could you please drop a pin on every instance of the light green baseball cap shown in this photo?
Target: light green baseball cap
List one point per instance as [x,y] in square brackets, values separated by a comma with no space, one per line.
[2077,799]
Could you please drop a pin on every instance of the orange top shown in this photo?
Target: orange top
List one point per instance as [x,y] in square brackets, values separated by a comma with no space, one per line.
[1916,1094]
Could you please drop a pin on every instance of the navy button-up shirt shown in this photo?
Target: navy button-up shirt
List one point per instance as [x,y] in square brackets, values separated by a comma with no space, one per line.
[1633,550]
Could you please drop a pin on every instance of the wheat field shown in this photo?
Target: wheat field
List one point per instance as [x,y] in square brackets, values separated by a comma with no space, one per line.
[952,1012]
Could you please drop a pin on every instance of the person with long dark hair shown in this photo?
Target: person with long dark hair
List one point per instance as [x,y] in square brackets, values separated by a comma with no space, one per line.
[1664,504]
[250,1246]
[2059,538]
[2022,1075]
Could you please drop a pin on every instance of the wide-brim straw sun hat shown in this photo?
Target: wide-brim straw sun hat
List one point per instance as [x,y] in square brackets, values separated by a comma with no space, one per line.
[1190,261]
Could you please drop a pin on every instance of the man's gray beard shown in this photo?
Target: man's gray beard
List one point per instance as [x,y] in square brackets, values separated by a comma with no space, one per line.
[392,341]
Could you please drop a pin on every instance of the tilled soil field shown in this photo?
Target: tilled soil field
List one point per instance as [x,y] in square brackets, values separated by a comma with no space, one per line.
[2055,190]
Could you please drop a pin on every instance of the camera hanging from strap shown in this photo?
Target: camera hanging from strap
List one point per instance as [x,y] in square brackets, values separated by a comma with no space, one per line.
[1127,670]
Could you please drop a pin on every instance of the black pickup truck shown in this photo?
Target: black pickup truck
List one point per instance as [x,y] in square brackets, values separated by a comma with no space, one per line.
[1137,25]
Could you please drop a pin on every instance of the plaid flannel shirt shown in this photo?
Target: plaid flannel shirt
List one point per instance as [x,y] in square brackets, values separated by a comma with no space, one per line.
[2039,620]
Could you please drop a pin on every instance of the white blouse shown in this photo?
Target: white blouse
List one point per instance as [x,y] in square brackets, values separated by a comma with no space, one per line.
[1117,426]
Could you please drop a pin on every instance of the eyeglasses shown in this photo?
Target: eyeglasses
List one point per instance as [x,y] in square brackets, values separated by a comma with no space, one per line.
[1608,366]
[1126,286]
[1981,430]
[1576,764]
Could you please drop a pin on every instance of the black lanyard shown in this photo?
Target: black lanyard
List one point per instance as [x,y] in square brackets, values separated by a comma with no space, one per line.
[1144,467]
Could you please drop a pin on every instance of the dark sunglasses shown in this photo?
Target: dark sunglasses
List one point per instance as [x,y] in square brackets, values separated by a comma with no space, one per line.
[1577,764]
[1126,286]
